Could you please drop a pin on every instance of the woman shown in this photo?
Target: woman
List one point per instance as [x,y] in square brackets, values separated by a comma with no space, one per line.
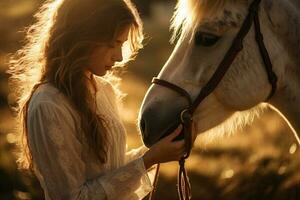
[73,138]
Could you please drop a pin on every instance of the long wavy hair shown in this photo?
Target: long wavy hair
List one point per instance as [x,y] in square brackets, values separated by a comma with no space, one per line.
[57,48]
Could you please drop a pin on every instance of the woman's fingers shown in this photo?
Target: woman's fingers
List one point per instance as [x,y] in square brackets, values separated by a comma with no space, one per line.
[179,148]
[178,144]
[175,133]
[194,132]
[179,154]
[167,150]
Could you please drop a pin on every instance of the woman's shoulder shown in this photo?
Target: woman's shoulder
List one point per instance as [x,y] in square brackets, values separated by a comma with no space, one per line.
[48,95]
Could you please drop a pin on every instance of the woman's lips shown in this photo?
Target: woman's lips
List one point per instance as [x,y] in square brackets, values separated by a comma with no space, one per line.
[108,67]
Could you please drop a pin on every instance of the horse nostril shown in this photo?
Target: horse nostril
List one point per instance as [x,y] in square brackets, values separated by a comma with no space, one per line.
[143,126]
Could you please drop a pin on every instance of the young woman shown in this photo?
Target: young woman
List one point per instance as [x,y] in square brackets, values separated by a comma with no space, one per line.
[72,136]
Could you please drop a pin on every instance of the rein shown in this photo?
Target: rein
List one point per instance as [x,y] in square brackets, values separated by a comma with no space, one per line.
[184,187]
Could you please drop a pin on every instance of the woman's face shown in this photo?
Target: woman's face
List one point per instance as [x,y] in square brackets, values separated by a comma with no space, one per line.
[103,58]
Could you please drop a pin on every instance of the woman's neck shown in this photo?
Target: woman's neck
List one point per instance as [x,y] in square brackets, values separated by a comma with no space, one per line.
[88,74]
[91,82]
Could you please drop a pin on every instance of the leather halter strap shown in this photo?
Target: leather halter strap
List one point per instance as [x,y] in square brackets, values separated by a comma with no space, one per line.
[265,55]
[174,88]
[184,189]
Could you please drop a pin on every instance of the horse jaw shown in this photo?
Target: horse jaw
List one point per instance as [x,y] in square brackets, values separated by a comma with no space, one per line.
[213,120]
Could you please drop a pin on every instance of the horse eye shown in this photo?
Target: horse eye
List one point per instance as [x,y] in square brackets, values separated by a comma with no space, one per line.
[205,39]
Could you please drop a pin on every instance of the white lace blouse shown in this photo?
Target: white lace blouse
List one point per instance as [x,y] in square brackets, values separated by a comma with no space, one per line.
[61,160]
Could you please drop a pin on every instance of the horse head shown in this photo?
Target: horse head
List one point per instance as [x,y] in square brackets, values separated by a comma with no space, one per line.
[204,31]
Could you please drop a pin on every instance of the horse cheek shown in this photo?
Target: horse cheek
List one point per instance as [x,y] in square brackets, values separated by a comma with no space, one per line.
[236,97]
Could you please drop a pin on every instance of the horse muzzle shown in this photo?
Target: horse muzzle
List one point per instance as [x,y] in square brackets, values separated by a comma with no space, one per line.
[157,120]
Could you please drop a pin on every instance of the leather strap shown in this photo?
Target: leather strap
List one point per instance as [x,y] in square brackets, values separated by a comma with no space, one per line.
[173,87]
[265,56]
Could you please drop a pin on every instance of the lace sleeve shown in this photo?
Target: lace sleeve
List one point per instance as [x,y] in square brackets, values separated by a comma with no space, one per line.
[57,151]
[130,182]
[135,153]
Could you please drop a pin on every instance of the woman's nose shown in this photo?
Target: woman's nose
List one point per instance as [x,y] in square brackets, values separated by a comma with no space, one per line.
[118,57]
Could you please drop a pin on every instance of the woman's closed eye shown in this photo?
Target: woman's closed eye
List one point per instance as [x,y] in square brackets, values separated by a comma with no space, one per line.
[112,45]
[115,44]
[205,39]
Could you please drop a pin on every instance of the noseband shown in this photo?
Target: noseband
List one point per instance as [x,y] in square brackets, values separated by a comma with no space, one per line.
[184,189]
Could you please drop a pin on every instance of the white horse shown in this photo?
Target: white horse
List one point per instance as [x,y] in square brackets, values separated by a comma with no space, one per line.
[245,86]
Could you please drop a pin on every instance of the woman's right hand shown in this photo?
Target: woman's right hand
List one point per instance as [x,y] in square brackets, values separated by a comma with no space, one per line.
[165,150]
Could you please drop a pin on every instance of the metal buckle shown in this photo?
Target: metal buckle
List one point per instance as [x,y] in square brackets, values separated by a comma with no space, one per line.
[184,115]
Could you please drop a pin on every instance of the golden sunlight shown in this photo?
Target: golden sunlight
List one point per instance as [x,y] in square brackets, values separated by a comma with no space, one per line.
[226,174]
[293,148]
[10,137]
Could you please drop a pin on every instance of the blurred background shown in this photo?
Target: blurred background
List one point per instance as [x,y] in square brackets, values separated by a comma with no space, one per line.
[260,162]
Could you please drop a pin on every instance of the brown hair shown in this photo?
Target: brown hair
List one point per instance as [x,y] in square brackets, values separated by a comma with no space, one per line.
[57,49]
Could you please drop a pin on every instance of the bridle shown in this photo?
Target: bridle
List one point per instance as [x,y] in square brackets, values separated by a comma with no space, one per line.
[184,189]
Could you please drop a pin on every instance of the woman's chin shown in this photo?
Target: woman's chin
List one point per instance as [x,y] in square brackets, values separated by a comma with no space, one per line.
[102,73]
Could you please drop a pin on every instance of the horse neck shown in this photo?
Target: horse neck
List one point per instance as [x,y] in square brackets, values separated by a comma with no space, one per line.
[285,21]
[286,101]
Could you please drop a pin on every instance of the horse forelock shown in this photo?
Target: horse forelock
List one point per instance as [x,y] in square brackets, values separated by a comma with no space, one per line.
[189,13]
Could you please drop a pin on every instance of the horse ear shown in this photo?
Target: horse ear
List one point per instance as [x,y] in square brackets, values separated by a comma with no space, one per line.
[284,18]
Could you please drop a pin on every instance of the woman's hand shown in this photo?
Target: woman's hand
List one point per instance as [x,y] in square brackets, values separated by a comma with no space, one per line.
[194,133]
[165,150]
